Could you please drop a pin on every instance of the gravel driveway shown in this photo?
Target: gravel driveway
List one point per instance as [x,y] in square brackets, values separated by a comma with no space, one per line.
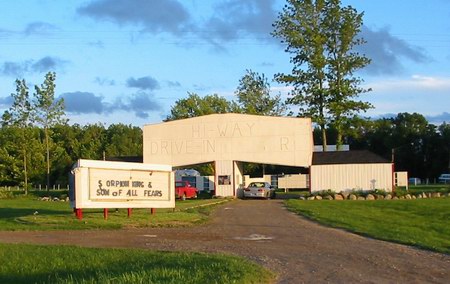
[297,249]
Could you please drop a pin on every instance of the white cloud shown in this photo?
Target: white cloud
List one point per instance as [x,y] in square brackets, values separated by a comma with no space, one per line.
[415,83]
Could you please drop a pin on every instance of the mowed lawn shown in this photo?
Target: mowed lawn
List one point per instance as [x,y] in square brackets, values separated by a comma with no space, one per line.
[424,223]
[29,213]
[65,264]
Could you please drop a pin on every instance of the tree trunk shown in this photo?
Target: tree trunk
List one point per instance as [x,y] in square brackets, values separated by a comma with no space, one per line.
[25,161]
[48,159]
[324,137]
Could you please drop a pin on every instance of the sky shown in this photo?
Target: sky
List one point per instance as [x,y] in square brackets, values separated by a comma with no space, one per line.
[129,61]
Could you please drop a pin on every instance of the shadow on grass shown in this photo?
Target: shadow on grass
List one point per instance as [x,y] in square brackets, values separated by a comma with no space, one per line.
[7,213]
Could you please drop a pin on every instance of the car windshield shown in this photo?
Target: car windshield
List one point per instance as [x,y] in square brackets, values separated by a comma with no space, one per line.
[179,184]
[257,184]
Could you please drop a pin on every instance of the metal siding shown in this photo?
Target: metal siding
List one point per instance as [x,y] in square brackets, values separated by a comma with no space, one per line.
[351,177]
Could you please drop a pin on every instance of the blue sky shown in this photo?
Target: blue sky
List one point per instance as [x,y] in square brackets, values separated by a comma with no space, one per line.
[128,61]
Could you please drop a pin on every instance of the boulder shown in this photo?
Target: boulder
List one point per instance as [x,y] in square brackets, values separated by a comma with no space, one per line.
[338,197]
[67,199]
[388,196]
[394,198]
[352,197]
[413,197]
[345,195]
[408,196]
[419,196]
[302,198]
[318,197]
[401,197]
[380,197]
[45,198]
[328,197]
[424,195]
[311,198]
[370,197]
[55,199]
[361,198]
[435,194]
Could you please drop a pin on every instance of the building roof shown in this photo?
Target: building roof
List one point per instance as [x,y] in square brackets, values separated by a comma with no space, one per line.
[347,157]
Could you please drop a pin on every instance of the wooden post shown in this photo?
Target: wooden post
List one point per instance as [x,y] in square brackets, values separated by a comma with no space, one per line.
[105,213]
[78,213]
[153,211]
[129,212]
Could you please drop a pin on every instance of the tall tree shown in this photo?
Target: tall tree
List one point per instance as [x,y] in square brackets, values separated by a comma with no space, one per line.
[253,96]
[300,26]
[321,35]
[19,116]
[342,27]
[49,112]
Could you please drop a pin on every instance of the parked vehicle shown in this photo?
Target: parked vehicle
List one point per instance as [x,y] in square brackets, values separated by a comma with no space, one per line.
[184,190]
[444,178]
[259,189]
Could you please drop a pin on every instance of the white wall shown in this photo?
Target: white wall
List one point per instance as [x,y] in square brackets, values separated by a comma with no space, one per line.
[347,177]
[293,181]
[224,168]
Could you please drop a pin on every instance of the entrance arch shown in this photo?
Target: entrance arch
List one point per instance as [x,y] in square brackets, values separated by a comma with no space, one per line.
[228,139]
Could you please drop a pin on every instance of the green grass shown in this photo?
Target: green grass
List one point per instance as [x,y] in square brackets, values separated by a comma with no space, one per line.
[424,223]
[28,213]
[65,264]
[428,188]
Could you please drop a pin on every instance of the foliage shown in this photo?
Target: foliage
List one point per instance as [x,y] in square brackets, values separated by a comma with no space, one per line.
[68,264]
[321,36]
[421,222]
[19,116]
[48,112]
[69,143]
[194,106]
[253,96]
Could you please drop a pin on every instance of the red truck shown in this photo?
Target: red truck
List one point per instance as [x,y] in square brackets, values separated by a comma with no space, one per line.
[183,190]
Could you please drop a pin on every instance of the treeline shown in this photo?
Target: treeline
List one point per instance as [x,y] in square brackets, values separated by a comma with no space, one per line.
[415,145]
[67,144]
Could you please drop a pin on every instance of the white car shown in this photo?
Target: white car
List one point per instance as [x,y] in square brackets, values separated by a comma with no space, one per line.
[259,190]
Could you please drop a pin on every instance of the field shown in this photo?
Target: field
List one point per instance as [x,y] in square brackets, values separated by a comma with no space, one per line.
[29,213]
[424,223]
[65,264]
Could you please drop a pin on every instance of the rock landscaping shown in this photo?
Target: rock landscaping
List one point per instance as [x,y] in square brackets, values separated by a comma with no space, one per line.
[372,195]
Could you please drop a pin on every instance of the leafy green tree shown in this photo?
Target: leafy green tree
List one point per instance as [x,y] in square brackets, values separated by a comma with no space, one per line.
[48,112]
[253,96]
[123,140]
[92,142]
[342,27]
[321,35]
[300,26]
[194,106]
[19,116]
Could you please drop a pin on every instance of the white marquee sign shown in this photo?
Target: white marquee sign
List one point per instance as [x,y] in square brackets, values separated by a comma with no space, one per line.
[102,184]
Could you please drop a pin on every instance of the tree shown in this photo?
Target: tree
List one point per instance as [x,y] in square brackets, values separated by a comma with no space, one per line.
[253,96]
[342,26]
[194,105]
[48,112]
[123,140]
[320,35]
[300,26]
[19,116]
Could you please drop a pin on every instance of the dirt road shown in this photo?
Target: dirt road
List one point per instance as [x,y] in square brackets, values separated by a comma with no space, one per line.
[298,250]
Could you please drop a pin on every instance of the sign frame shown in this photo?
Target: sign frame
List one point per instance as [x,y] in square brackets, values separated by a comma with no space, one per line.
[160,194]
